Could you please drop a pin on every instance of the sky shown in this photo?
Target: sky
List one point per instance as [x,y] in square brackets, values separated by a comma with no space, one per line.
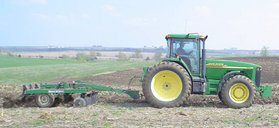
[241,24]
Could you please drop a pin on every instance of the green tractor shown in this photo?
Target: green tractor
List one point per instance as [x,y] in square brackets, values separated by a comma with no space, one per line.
[186,71]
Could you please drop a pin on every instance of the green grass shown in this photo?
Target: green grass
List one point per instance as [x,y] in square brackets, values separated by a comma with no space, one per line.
[7,61]
[37,122]
[94,122]
[15,70]
[250,119]
[107,124]
[274,121]
[231,121]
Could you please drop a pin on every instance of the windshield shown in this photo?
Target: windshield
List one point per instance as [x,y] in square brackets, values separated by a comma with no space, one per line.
[188,50]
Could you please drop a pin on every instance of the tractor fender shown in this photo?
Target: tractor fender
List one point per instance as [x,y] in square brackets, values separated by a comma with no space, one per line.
[222,80]
[184,65]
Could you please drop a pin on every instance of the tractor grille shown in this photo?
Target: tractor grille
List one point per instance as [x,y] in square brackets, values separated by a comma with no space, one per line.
[258,78]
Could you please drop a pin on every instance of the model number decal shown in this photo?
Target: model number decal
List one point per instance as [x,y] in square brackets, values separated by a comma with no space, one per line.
[56,91]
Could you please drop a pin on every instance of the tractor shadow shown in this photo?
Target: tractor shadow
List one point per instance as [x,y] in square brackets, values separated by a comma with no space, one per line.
[145,104]
[194,101]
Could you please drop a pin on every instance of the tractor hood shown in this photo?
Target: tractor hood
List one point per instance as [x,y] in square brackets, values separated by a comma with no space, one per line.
[215,69]
[229,64]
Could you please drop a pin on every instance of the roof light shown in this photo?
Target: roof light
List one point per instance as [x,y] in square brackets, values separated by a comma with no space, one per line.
[201,37]
[169,36]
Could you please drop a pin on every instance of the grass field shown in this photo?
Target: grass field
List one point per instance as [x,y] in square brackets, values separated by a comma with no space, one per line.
[14,70]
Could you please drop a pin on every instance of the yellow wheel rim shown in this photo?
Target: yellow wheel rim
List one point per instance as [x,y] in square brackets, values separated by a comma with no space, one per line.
[166,85]
[239,92]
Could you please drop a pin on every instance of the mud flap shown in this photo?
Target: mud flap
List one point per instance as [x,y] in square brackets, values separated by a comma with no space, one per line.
[265,90]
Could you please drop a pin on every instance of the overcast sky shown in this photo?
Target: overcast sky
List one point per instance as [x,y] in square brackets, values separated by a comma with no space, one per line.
[242,24]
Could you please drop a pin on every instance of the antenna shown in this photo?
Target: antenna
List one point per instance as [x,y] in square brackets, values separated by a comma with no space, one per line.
[185,28]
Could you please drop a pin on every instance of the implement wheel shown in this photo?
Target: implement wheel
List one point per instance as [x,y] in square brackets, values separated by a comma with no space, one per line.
[166,84]
[44,100]
[80,102]
[238,92]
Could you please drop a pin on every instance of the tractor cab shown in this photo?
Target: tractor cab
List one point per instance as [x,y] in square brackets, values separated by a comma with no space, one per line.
[189,49]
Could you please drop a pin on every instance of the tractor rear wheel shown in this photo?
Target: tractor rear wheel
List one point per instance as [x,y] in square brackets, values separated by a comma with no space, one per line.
[166,84]
[220,97]
[238,92]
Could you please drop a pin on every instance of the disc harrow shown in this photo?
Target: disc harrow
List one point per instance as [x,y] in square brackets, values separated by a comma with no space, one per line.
[48,95]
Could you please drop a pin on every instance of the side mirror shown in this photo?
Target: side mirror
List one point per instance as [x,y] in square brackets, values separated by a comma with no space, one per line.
[205,37]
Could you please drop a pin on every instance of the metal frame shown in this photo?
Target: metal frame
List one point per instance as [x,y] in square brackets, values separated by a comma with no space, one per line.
[75,87]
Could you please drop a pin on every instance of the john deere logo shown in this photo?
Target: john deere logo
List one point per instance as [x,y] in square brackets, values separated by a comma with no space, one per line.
[222,65]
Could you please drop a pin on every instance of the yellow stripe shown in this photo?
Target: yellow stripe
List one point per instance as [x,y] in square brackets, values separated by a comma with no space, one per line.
[229,67]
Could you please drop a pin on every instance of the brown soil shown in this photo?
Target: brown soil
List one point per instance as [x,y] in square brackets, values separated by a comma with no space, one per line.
[119,110]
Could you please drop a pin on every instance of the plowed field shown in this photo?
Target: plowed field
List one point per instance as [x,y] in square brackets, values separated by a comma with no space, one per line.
[119,110]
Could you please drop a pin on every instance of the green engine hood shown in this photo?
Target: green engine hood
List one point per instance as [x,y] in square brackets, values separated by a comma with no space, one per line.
[215,69]
[230,64]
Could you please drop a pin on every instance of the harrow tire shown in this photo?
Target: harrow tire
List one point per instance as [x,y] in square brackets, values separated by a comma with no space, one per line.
[79,102]
[238,92]
[44,100]
[166,84]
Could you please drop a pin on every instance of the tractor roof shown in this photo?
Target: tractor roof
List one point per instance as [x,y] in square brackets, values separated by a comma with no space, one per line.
[188,36]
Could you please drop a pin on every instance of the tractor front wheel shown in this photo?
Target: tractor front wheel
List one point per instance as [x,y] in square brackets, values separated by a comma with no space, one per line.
[238,92]
[166,84]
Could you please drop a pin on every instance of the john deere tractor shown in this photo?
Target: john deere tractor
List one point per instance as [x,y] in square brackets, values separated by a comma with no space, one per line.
[186,71]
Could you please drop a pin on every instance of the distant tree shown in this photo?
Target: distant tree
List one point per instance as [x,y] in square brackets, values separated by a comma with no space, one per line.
[19,56]
[137,54]
[264,51]
[157,56]
[98,54]
[64,56]
[93,55]
[147,58]
[10,54]
[81,57]
[122,57]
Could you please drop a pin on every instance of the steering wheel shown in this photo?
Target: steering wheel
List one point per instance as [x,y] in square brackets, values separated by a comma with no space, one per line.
[188,56]
[191,56]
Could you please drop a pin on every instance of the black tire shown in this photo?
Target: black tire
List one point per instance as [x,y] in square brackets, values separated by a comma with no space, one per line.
[44,100]
[79,102]
[175,69]
[220,97]
[226,97]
